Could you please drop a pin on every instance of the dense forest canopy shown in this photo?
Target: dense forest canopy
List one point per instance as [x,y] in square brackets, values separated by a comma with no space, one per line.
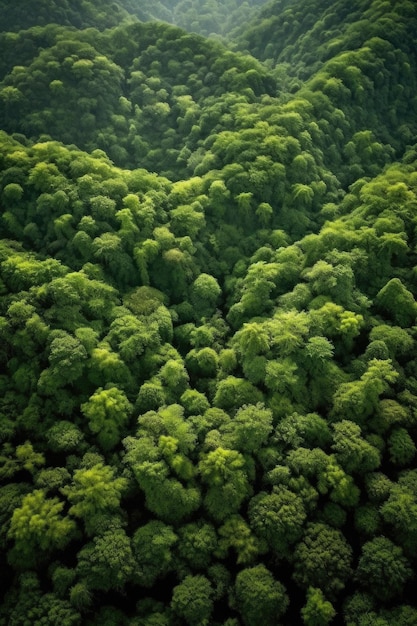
[208,313]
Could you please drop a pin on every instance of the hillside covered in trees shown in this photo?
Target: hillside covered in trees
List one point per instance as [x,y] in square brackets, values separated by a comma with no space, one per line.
[208,313]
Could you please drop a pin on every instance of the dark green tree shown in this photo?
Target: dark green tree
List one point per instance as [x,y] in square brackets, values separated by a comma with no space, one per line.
[383,569]
[258,593]
[323,558]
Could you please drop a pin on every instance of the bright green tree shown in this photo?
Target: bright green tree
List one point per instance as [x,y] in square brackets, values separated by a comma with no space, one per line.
[39,527]
[94,493]
[317,611]
[107,411]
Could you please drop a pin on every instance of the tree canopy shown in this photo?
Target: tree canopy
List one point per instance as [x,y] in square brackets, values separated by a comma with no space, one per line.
[208,313]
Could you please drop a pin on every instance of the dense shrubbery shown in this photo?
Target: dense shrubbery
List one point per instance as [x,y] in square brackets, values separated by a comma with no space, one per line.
[208,407]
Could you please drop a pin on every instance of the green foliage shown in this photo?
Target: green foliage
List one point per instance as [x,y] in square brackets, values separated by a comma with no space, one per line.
[107,411]
[277,518]
[152,548]
[249,430]
[398,302]
[318,611]
[352,451]
[382,568]
[224,472]
[233,393]
[258,593]
[93,492]
[235,534]
[38,527]
[208,388]
[191,600]
[158,458]
[30,605]
[401,447]
[323,557]
[197,543]
[107,561]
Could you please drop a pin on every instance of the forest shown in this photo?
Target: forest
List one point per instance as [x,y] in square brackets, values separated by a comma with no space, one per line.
[208,313]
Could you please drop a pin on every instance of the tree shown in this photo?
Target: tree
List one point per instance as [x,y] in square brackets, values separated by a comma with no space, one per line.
[192,600]
[158,458]
[334,480]
[174,378]
[194,402]
[52,478]
[236,534]
[151,396]
[296,430]
[38,527]
[277,518]
[202,363]
[357,606]
[212,419]
[27,604]
[64,436]
[367,519]
[259,594]
[106,366]
[334,322]
[322,558]
[383,568]
[281,377]
[396,339]
[398,302]
[94,493]
[233,392]
[167,498]
[131,335]
[23,457]
[251,340]
[197,543]
[13,192]
[81,597]
[11,496]
[357,400]
[187,220]
[107,411]
[204,295]
[401,446]
[400,510]
[249,430]
[378,487]
[224,472]
[67,357]
[152,549]
[317,611]
[318,352]
[403,615]
[106,563]
[352,451]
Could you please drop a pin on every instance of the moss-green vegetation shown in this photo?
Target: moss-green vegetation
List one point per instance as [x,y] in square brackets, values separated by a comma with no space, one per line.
[208,314]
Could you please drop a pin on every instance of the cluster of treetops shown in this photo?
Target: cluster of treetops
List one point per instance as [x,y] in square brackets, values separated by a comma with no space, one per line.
[208,270]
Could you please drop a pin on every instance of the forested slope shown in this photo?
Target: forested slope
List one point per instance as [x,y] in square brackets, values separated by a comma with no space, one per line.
[212,17]
[208,263]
